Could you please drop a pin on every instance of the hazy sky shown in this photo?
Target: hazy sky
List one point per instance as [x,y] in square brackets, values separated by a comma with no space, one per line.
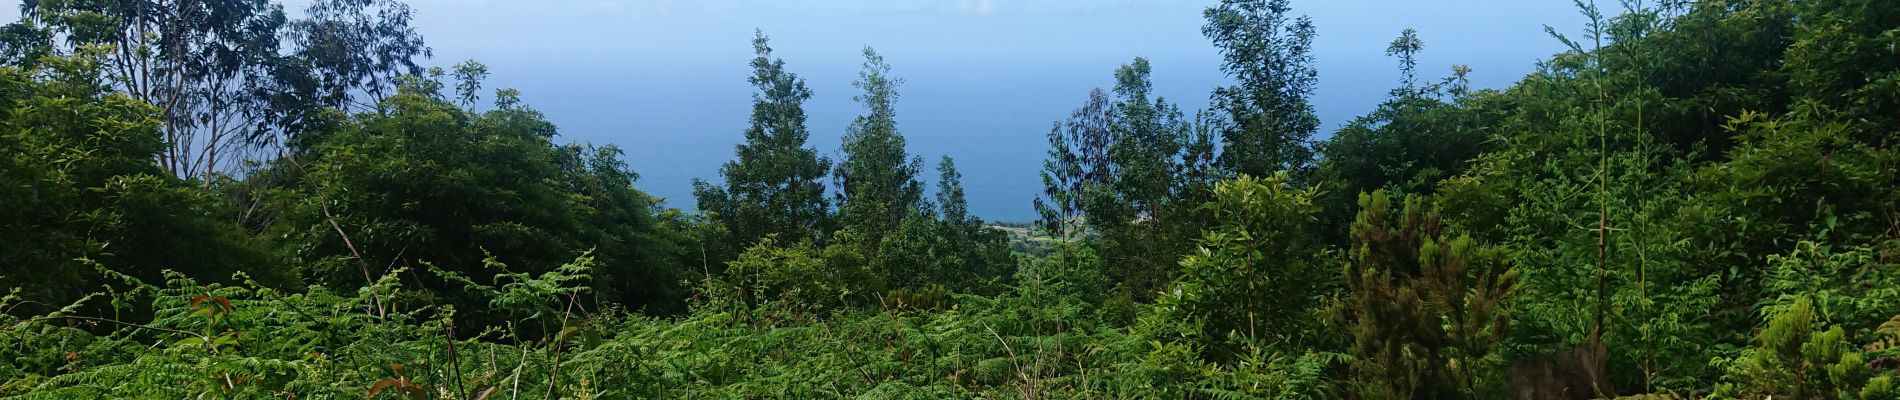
[665,80]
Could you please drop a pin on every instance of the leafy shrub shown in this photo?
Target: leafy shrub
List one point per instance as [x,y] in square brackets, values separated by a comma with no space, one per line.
[1256,274]
[1427,311]
[1799,356]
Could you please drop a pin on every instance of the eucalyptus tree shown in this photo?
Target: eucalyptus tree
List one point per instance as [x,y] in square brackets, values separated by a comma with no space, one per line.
[1268,120]
[203,63]
[1130,169]
[353,51]
[952,205]
[228,76]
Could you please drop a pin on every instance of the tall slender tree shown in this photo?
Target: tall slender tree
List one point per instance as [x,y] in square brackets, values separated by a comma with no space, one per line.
[1406,48]
[1269,55]
[1132,170]
[1077,159]
[979,256]
[775,186]
[877,179]
[951,203]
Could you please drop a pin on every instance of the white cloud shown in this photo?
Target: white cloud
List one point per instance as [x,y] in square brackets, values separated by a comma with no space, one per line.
[978,7]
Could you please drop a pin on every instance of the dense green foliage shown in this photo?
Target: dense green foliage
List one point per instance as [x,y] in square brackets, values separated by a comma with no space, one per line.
[1695,200]
[1420,299]
[81,187]
[1131,172]
[421,180]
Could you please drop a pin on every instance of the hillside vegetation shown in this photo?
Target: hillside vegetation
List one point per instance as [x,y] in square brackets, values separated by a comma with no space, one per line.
[212,199]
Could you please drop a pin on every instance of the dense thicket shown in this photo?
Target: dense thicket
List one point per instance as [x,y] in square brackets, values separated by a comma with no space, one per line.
[82,190]
[421,181]
[1694,200]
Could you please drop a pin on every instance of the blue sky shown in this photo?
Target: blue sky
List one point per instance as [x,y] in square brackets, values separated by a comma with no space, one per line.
[665,79]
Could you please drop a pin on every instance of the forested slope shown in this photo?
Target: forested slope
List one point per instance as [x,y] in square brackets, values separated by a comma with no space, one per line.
[211,199]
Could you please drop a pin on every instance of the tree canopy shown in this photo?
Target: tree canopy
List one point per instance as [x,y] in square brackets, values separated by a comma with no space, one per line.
[1694,200]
